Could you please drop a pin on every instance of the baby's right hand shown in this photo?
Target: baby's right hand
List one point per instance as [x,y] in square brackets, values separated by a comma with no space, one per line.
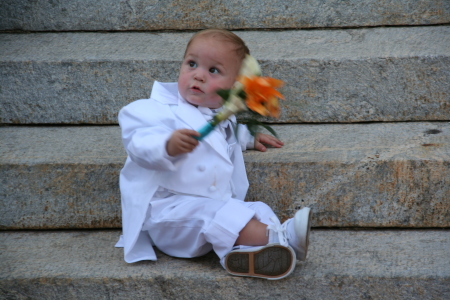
[182,141]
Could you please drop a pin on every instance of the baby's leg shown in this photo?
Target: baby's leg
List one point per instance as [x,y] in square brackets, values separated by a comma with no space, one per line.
[275,260]
[253,234]
[185,226]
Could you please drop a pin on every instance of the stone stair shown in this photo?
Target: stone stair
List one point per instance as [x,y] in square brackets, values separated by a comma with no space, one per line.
[366,126]
[355,75]
[342,264]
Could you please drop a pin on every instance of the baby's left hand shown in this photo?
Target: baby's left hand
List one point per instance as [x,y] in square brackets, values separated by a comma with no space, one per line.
[262,138]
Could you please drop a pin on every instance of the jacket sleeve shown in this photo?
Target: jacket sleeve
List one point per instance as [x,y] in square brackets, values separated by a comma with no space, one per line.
[146,127]
[246,140]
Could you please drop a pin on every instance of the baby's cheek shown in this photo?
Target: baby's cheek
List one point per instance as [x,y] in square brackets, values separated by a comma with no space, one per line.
[213,88]
[215,102]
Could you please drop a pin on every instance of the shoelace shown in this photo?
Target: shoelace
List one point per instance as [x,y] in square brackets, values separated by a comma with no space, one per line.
[279,229]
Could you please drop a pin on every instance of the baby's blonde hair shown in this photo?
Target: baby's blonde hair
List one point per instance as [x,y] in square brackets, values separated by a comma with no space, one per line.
[228,36]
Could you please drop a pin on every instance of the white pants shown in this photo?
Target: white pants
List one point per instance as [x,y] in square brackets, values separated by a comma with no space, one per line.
[188,226]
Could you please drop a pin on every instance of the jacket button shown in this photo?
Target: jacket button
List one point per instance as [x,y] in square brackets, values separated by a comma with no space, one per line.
[212,188]
[201,168]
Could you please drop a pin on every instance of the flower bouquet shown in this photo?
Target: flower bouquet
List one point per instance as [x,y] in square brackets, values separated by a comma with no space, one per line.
[250,92]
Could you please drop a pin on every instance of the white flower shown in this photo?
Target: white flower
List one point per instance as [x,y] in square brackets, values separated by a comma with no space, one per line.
[250,67]
[232,107]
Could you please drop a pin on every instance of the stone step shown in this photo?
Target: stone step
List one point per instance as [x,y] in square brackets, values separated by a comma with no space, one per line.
[353,75]
[82,15]
[341,264]
[351,175]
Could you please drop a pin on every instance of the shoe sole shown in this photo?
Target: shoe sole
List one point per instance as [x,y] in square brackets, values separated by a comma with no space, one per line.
[271,262]
[303,220]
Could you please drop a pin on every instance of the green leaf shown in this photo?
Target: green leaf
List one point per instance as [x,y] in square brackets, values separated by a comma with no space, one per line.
[242,94]
[270,129]
[254,126]
[224,94]
[253,129]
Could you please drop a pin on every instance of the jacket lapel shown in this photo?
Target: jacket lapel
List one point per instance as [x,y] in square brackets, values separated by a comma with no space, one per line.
[195,120]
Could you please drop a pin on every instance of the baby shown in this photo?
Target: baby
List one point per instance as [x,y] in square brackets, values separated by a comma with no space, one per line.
[187,197]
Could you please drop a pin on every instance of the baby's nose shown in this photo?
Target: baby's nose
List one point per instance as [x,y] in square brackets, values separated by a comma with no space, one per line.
[199,75]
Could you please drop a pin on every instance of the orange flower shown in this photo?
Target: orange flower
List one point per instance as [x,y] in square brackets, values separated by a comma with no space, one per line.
[261,95]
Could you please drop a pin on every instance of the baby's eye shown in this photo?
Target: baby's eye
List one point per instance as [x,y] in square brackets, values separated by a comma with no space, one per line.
[213,71]
[192,64]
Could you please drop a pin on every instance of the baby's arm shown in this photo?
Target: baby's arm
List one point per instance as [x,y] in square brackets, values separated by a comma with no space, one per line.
[146,128]
[262,138]
[181,141]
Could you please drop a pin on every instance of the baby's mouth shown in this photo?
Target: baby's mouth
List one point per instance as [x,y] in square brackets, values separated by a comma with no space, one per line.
[196,89]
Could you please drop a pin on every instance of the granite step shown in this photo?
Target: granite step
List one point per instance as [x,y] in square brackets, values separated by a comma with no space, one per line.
[351,175]
[353,75]
[91,15]
[341,264]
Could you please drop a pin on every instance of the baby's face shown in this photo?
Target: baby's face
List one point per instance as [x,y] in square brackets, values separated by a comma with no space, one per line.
[210,64]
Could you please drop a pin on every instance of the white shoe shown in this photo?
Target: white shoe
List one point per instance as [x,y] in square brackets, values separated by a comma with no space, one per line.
[297,231]
[272,262]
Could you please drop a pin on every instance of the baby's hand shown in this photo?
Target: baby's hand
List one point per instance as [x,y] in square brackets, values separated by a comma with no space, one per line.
[262,138]
[182,141]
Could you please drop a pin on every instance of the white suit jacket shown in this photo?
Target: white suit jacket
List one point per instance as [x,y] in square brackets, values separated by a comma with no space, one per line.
[207,171]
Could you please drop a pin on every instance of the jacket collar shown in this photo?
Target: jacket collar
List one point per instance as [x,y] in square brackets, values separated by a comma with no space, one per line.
[167,93]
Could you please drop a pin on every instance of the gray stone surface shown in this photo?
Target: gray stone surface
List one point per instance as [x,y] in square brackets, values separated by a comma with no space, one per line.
[60,177]
[341,264]
[363,175]
[394,174]
[354,75]
[45,15]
